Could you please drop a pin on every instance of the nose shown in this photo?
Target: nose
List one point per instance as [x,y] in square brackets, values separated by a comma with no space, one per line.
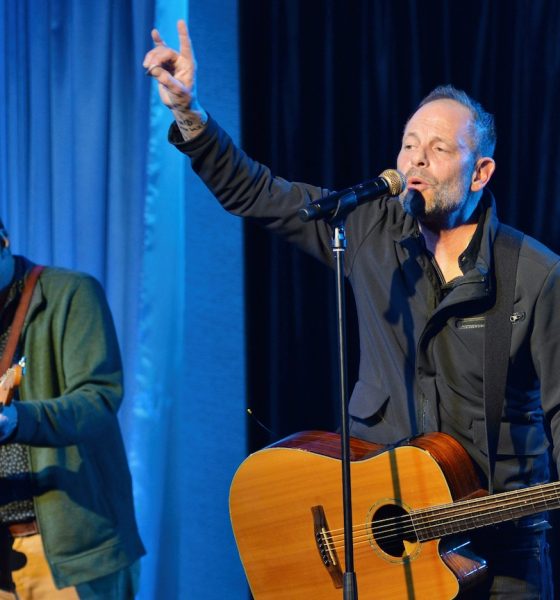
[419,157]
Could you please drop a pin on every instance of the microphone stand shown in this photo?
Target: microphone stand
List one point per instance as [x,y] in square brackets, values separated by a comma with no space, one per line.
[346,205]
[390,183]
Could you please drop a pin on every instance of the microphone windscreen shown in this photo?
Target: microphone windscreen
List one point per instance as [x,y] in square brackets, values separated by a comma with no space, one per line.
[395,180]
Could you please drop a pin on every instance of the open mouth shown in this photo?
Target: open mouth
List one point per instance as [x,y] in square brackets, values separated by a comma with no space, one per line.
[418,183]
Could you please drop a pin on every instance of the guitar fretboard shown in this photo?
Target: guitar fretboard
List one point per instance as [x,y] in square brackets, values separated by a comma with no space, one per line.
[457,517]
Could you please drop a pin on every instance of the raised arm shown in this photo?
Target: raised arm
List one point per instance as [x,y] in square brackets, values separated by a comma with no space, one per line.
[175,71]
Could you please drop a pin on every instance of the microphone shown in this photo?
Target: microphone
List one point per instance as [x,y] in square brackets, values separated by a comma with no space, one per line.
[390,183]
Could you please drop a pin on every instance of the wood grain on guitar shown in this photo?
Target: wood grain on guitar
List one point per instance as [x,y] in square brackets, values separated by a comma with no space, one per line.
[409,503]
[10,381]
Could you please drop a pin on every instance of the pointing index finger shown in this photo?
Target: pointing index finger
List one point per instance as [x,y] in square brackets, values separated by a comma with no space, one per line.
[185,46]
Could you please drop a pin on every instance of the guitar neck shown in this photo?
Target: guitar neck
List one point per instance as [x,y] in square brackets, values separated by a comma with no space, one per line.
[465,515]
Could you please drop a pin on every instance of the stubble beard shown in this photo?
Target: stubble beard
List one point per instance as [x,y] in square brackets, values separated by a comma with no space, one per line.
[446,201]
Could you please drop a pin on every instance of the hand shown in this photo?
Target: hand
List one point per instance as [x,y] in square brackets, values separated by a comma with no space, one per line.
[175,73]
[8,422]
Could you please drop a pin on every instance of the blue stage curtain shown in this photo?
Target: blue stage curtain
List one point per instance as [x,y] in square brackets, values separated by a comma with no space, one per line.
[88,181]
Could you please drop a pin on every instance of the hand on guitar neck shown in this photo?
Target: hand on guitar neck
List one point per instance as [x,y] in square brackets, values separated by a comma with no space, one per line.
[8,413]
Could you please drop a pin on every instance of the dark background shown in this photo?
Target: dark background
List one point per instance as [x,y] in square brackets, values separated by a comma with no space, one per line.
[326,89]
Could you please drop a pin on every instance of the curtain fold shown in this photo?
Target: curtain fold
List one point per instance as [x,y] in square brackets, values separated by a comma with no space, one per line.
[327,88]
[326,91]
[88,181]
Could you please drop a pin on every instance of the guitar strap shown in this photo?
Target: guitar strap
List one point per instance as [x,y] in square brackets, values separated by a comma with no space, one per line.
[497,337]
[19,318]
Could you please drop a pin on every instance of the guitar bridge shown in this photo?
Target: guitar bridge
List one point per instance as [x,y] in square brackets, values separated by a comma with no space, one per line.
[325,545]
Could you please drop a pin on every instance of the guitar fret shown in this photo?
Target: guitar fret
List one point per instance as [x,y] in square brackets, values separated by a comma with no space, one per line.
[439,521]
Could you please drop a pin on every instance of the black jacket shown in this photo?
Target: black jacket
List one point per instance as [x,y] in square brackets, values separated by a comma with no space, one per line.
[421,342]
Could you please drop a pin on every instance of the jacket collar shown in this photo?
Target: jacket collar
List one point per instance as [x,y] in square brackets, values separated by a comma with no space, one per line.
[478,254]
[477,259]
[476,264]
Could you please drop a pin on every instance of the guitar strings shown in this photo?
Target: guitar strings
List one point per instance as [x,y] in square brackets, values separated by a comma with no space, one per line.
[423,524]
[418,523]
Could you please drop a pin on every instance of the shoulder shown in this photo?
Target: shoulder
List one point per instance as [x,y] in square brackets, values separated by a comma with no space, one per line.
[538,268]
[532,252]
[538,256]
[63,285]
[382,213]
[59,276]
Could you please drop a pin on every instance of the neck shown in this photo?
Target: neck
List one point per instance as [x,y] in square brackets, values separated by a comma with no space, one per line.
[447,245]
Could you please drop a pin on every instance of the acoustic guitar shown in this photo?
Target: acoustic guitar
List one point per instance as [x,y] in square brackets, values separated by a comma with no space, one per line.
[409,503]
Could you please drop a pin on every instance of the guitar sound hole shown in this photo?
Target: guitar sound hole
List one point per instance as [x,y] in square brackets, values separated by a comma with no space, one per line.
[391,526]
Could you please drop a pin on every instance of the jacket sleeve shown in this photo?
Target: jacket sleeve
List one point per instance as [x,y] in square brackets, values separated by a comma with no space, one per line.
[247,188]
[72,388]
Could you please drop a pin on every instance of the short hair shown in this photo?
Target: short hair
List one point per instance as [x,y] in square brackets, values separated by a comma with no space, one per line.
[484,134]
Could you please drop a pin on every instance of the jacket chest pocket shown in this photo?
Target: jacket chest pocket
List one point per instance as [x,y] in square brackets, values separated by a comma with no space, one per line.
[470,323]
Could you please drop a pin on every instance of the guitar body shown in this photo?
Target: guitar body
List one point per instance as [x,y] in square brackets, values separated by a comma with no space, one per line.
[287,517]
[9,382]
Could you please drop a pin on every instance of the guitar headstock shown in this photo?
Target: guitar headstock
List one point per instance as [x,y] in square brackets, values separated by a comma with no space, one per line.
[9,382]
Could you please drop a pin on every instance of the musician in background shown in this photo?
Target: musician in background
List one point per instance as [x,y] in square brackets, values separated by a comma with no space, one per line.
[423,272]
[67,524]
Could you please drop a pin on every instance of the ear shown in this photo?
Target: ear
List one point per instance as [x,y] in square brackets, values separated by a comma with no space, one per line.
[483,170]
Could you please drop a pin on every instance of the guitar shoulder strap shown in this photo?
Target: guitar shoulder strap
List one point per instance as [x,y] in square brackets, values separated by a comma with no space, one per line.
[19,318]
[497,337]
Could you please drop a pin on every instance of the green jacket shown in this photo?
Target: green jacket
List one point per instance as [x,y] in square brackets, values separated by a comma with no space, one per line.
[67,415]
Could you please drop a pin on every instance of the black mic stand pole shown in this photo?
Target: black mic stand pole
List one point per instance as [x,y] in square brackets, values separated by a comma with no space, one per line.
[346,202]
[350,588]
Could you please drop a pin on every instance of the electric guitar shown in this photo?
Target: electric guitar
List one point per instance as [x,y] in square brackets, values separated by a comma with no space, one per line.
[408,504]
[10,381]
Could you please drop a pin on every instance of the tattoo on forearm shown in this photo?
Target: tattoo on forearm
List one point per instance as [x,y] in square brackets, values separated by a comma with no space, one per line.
[190,128]
[189,124]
